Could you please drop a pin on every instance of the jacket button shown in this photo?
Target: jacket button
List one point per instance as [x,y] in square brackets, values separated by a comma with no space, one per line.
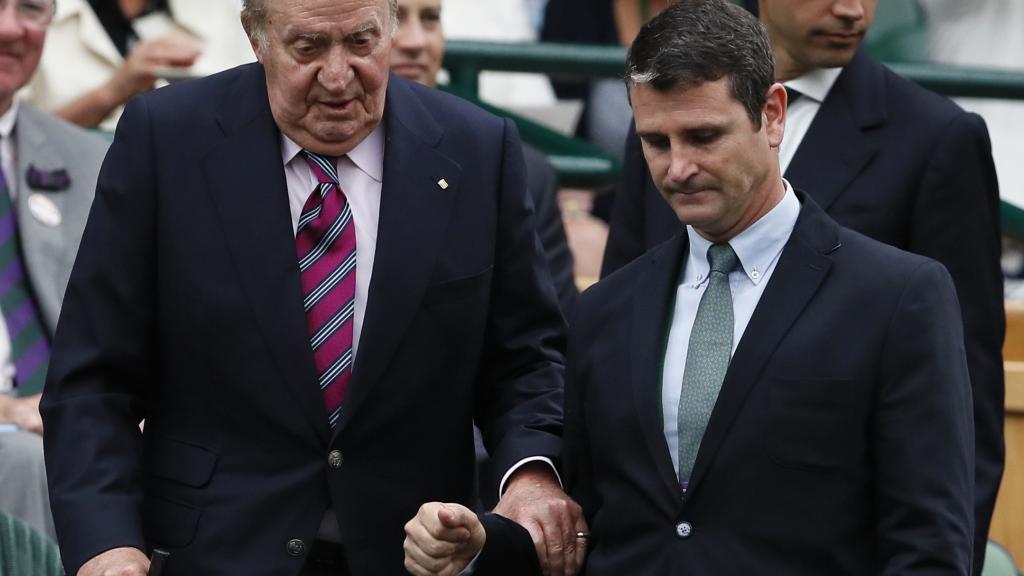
[296,547]
[683,530]
[335,458]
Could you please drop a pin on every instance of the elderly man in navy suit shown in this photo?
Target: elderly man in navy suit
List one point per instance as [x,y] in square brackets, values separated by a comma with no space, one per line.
[887,159]
[310,280]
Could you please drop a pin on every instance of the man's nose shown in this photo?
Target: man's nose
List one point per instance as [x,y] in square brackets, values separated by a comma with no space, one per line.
[410,37]
[336,72]
[852,10]
[9,23]
[681,165]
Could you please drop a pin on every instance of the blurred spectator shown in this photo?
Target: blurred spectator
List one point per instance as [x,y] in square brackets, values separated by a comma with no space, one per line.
[103,52]
[48,172]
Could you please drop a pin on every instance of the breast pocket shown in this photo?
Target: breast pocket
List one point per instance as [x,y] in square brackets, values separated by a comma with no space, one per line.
[458,290]
[813,423]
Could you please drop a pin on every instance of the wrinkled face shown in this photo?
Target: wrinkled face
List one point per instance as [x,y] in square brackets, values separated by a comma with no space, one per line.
[717,171]
[327,69]
[809,34]
[20,49]
[419,43]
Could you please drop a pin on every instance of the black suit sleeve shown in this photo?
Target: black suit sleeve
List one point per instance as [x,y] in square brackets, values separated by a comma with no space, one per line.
[542,181]
[956,221]
[628,223]
[519,401]
[923,434]
[98,385]
[509,549]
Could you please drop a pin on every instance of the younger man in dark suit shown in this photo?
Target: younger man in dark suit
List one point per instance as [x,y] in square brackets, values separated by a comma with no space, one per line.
[767,392]
[886,158]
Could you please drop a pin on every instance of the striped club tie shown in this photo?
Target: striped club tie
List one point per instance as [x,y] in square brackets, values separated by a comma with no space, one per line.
[30,348]
[325,242]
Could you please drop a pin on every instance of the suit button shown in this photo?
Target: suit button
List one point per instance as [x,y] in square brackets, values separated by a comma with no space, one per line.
[683,530]
[296,547]
[335,458]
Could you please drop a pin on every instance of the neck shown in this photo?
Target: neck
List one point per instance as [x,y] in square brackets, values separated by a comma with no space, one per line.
[786,68]
[769,198]
[131,8]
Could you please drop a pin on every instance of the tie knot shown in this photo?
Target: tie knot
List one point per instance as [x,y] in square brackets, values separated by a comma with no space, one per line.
[325,168]
[722,258]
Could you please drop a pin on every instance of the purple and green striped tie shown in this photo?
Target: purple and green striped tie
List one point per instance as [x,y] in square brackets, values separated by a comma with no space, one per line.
[30,348]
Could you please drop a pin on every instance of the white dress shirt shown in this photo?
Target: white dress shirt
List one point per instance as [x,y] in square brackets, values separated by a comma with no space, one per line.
[758,248]
[9,163]
[813,88]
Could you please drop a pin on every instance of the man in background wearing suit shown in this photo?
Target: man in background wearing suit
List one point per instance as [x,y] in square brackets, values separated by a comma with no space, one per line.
[417,55]
[888,159]
[767,392]
[48,173]
[310,280]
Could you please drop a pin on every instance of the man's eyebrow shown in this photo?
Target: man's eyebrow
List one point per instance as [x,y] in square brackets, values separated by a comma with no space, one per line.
[367,27]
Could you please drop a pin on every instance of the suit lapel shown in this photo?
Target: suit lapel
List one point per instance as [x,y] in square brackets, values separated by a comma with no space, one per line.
[802,267]
[414,213]
[835,149]
[43,246]
[247,183]
[652,314]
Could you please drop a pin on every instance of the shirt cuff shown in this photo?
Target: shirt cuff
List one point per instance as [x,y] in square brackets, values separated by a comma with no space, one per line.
[471,568]
[518,465]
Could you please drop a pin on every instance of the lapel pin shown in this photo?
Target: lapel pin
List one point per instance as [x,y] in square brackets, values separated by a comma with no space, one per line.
[443,184]
[44,210]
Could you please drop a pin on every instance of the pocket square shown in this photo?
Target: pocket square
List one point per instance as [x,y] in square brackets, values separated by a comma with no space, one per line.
[52,180]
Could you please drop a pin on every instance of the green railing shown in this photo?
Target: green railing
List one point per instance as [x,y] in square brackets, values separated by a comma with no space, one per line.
[580,164]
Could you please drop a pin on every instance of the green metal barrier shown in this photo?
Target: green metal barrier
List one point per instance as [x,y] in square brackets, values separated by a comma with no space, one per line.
[464,60]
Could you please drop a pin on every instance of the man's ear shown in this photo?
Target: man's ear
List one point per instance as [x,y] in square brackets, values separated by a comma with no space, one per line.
[253,36]
[773,115]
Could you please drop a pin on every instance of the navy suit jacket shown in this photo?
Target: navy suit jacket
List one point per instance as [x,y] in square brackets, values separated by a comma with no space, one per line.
[841,442]
[184,309]
[904,166]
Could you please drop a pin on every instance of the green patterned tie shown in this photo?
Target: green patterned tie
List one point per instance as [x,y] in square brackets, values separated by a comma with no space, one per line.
[30,349]
[707,357]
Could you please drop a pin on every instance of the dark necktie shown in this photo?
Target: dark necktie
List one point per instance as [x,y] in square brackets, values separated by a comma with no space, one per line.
[30,348]
[707,358]
[325,242]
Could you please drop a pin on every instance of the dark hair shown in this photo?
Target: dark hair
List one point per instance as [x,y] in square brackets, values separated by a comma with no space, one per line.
[697,41]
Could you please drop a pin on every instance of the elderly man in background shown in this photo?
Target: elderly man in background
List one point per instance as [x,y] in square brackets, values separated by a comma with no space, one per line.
[310,279]
[48,174]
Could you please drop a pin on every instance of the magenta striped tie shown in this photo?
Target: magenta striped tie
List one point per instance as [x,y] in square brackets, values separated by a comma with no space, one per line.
[325,241]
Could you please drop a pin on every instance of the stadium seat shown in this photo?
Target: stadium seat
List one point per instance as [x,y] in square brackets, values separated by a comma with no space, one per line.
[25,552]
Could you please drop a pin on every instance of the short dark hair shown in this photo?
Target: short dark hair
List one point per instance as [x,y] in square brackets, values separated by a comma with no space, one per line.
[697,41]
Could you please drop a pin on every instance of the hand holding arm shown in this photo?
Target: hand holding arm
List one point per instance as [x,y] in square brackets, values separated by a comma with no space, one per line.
[535,500]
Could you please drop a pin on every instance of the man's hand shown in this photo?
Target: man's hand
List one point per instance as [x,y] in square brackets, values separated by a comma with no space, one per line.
[117,562]
[139,71]
[23,412]
[535,500]
[442,540]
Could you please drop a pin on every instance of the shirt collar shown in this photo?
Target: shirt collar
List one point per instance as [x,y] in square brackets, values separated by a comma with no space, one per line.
[8,118]
[757,246]
[816,83]
[367,156]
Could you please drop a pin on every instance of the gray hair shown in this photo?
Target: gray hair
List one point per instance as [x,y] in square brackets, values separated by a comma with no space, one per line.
[697,41]
[254,15]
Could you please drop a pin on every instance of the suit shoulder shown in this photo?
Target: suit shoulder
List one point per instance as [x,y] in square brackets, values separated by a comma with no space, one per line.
[83,145]
[922,107]
[622,282]
[452,111]
[189,97]
[877,261]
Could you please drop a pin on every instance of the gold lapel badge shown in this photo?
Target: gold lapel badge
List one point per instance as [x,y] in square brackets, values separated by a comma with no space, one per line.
[442,184]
